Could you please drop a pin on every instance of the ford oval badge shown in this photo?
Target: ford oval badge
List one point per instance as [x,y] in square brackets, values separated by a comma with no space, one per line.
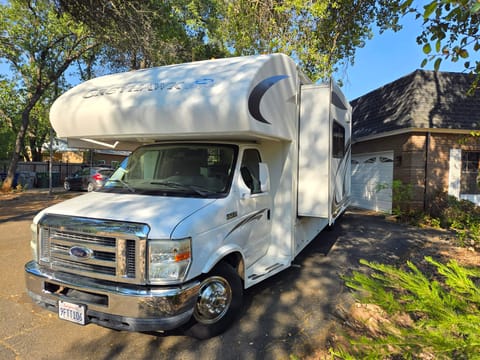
[80,252]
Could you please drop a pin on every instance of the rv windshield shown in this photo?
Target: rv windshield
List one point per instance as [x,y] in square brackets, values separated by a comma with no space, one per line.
[191,170]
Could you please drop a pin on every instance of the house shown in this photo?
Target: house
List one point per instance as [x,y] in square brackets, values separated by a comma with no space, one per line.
[95,157]
[416,130]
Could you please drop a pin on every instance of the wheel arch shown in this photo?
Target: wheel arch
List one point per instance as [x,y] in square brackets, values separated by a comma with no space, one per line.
[231,256]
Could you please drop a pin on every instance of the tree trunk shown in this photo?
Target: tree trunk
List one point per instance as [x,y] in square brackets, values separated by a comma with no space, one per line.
[36,146]
[22,132]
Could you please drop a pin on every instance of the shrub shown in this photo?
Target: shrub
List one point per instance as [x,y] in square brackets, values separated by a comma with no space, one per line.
[461,216]
[402,195]
[427,317]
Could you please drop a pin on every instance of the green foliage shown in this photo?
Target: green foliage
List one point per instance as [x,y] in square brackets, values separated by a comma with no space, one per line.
[9,118]
[431,221]
[39,44]
[461,216]
[321,35]
[138,34]
[402,194]
[451,33]
[436,316]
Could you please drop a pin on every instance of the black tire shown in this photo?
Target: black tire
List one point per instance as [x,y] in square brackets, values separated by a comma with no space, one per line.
[90,187]
[219,301]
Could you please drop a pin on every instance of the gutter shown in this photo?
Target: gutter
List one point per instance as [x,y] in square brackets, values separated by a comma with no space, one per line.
[410,130]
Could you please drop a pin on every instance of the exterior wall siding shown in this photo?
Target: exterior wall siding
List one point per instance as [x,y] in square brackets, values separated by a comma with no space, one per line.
[409,164]
[412,161]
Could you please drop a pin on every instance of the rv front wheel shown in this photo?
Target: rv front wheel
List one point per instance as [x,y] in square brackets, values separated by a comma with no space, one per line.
[219,301]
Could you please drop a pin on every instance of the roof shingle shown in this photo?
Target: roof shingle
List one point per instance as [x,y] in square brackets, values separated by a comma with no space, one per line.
[422,99]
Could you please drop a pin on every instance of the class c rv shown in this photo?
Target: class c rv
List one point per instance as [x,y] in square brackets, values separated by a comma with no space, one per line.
[236,165]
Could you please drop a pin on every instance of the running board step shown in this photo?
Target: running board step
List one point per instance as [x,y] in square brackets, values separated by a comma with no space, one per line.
[268,270]
[263,269]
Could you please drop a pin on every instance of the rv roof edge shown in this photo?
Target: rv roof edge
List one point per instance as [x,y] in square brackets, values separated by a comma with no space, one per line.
[238,98]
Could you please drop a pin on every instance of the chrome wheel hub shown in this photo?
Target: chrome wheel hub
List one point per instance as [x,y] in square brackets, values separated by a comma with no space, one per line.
[213,301]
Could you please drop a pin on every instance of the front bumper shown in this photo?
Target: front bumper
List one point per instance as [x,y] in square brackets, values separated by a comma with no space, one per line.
[114,305]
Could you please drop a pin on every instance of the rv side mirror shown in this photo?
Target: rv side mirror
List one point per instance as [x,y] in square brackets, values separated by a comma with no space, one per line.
[264,177]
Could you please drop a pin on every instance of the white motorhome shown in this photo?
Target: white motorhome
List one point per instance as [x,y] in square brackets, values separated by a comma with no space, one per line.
[236,165]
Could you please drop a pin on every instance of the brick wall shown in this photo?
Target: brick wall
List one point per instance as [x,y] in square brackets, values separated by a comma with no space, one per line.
[409,164]
[412,161]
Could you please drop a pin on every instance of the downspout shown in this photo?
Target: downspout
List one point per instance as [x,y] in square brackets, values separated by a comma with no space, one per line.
[425,184]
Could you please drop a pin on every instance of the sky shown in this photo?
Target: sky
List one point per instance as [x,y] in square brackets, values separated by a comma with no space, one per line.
[386,58]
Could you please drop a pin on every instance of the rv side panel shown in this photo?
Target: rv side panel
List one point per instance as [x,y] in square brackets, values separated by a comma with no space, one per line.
[314,151]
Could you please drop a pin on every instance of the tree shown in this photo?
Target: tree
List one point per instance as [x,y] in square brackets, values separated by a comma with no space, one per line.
[451,32]
[40,44]
[139,34]
[9,118]
[320,35]
[39,129]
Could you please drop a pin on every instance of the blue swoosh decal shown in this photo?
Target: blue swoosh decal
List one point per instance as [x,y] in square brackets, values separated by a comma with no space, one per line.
[257,94]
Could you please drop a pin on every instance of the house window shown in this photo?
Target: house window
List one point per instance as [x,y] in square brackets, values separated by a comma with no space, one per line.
[338,140]
[470,168]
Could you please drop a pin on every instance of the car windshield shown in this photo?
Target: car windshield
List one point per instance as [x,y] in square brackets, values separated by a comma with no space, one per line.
[198,170]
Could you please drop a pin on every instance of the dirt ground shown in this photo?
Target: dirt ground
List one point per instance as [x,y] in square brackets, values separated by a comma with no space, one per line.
[15,205]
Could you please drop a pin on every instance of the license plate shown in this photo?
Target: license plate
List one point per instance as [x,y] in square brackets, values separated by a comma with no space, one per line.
[71,312]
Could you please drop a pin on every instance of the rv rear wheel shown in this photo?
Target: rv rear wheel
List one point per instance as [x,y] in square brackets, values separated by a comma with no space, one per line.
[219,300]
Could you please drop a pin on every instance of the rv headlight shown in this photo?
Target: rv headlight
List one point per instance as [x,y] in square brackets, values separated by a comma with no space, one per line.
[168,260]
[34,241]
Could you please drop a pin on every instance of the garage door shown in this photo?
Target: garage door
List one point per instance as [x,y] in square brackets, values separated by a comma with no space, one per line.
[372,176]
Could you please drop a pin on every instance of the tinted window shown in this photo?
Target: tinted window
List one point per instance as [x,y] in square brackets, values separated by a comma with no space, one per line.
[338,140]
[250,170]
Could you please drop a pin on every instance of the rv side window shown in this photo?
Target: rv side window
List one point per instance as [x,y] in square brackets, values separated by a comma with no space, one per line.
[338,140]
[250,170]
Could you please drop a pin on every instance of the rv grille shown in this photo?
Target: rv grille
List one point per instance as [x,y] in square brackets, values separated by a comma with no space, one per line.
[98,249]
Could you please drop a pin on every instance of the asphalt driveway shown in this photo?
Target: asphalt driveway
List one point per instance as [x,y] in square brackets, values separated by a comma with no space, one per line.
[289,314]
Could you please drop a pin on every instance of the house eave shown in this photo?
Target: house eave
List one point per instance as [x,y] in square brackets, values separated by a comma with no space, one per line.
[412,130]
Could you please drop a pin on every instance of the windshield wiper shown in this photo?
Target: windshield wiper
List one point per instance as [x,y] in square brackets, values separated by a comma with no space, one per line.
[126,185]
[195,188]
